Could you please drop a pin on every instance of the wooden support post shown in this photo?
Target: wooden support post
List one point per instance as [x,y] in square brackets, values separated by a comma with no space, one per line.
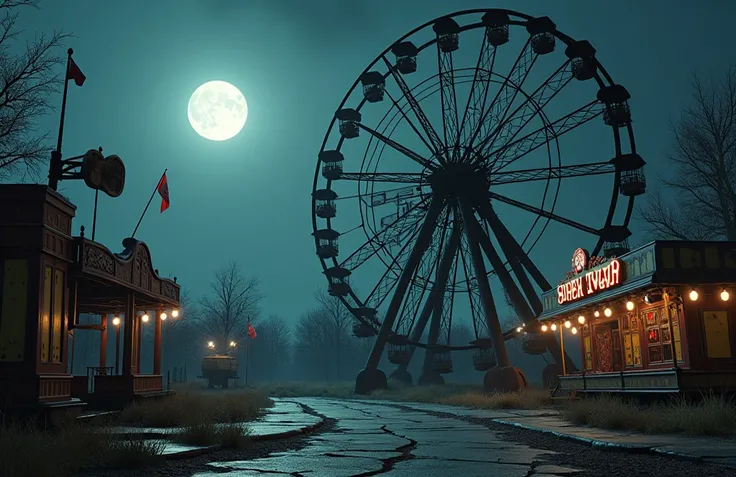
[138,343]
[157,342]
[128,335]
[103,342]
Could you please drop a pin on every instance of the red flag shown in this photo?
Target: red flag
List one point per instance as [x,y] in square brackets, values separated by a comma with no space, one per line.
[251,331]
[74,73]
[163,191]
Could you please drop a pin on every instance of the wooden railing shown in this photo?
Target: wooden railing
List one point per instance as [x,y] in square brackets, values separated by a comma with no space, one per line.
[147,383]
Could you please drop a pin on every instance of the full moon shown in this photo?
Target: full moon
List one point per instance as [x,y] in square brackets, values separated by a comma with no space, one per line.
[217,110]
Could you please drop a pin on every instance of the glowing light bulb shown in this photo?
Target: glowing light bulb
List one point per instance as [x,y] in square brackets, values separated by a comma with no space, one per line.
[607,312]
[574,330]
[116,321]
[544,328]
[725,295]
[581,319]
[163,316]
[211,344]
[518,329]
[568,324]
[630,305]
[693,295]
[175,313]
[597,314]
[144,318]
[553,327]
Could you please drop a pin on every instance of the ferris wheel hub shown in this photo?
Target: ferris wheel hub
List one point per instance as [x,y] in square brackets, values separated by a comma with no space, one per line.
[455,179]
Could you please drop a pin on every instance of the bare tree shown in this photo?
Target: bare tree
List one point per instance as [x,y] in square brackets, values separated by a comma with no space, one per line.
[28,79]
[224,315]
[312,341]
[338,323]
[699,197]
[270,351]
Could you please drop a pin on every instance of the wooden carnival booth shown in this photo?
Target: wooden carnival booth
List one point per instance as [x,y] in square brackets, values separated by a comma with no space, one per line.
[660,319]
[47,278]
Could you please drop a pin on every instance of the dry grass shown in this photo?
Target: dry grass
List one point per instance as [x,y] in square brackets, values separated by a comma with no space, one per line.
[451,393]
[710,416]
[192,406]
[229,436]
[27,451]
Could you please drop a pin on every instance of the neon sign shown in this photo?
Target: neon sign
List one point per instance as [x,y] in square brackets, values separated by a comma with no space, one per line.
[584,283]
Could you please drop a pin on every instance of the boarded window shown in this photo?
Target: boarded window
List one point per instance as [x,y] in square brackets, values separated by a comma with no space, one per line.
[716,335]
[57,316]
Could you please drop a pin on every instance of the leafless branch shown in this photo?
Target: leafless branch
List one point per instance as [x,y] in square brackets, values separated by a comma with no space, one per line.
[701,183]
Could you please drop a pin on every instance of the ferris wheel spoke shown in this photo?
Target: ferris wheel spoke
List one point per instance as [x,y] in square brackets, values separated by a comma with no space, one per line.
[515,150]
[503,98]
[543,213]
[385,237]
[478,90]
[393,271]
[484,287]
[448,97]
[411,124]
[398,147]
[479,326]
[395,177]
[420,245]
[546,173]
[429,130]
[532,105]
[520,304]
[447,315]
[506,238]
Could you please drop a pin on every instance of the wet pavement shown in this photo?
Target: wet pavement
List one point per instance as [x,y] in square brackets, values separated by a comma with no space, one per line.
[382,439]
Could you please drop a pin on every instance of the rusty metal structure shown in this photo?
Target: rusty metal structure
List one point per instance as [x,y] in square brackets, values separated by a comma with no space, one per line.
[438,174]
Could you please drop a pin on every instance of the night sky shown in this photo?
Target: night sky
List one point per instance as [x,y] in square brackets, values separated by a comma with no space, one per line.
[248,199]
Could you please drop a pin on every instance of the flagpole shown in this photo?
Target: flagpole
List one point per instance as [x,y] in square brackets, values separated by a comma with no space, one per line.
[56,165]
[149,203]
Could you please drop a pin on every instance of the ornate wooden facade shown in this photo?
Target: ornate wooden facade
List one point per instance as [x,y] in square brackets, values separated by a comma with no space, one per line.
[47,278]
[669,326]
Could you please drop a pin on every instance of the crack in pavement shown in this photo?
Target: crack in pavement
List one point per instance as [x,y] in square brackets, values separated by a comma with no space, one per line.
[388,464]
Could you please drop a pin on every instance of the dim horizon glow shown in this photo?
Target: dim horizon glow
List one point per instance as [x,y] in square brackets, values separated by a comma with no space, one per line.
[217,111]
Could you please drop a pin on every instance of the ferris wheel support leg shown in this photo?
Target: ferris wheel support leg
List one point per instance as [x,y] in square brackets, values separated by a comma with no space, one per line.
[481,276]
[429,376]
[437,292]
[371,377]
[516,253]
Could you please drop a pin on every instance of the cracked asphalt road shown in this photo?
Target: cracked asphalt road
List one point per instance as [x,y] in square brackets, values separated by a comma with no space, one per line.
[380,439]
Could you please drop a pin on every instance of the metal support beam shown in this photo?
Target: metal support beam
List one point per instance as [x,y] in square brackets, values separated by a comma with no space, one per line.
[437,293]
[420,246]
[481,276]
[517,300]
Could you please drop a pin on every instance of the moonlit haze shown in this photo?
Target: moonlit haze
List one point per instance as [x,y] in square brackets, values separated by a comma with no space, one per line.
[217,110]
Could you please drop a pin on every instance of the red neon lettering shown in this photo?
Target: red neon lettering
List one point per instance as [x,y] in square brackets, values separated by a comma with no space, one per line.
[595,281]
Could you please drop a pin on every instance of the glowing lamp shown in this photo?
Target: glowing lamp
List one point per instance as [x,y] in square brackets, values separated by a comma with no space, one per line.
[693,295]
[553,327]
[630,305]
[518,329]
[574,330]
[211,344]
[232,344]
[581,319]
[544,328]
[607,312]
[175,313]
[568,324]
[725,295]
[597,313]
[144,318]
[163,316]
[116,321]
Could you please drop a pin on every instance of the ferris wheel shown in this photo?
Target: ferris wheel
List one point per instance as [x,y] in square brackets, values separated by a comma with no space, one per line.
[442,170]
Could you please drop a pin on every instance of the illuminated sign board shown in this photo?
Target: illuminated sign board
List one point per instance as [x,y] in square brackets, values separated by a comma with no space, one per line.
[589,277]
